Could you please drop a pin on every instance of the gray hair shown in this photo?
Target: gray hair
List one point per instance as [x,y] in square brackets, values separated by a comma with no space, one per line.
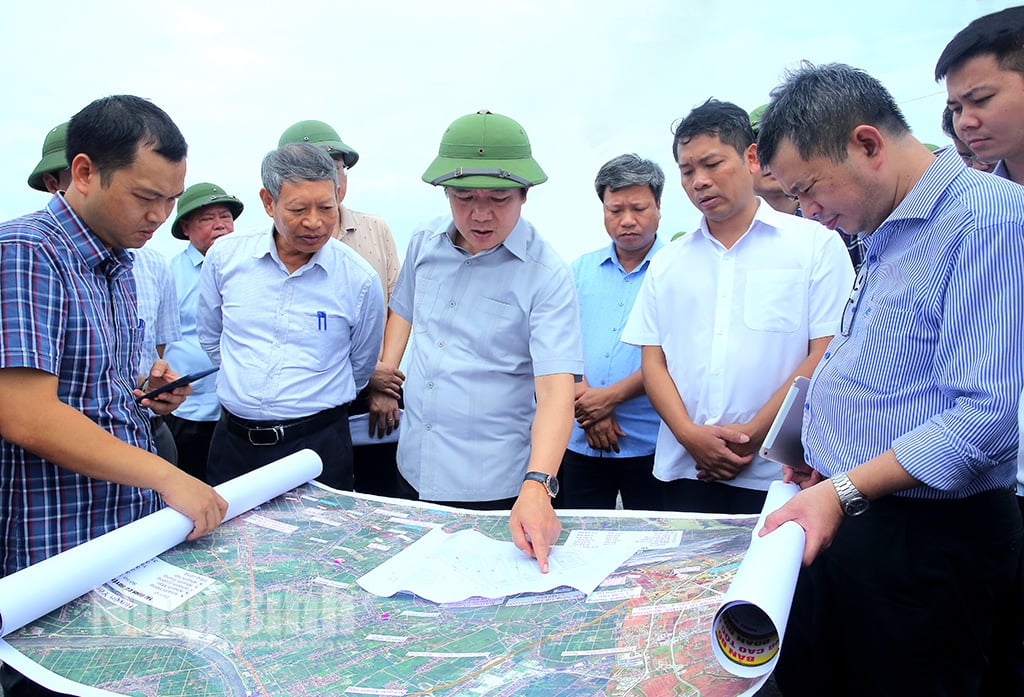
[817,107]
[296,162]
[629,170]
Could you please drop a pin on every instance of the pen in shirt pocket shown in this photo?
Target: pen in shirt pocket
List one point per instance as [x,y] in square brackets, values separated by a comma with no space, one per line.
[321,321]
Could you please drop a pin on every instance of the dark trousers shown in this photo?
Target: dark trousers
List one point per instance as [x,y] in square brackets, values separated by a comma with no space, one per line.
[596,482]
[407,491]
[693,496]
[193,441]
[912,598]
[165,446]
[232,454]
[374,467]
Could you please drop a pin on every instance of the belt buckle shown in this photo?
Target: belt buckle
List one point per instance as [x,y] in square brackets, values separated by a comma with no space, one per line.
[276,431]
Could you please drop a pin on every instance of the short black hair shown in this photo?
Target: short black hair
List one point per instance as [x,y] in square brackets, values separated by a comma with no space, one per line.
[817,107]
[111,129]
[1000,34]
[723,119]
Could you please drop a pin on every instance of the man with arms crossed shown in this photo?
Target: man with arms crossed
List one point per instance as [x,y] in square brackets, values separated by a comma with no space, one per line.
[74,445]
[910,427]
[489,395]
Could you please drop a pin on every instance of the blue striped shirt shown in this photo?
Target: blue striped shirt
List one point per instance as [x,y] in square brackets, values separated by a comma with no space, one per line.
[932,367]
[606,296]
[68,308]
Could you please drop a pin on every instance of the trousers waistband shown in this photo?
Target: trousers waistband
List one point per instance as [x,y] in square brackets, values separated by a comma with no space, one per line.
[274,432]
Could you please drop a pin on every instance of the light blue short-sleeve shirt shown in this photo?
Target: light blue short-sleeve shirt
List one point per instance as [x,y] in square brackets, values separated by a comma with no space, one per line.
[606,295]
[483,327]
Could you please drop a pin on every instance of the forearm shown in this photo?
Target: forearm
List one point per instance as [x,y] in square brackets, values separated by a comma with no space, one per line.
[552,423]
[881,476]
[662,392]
[396,337]
[64,436]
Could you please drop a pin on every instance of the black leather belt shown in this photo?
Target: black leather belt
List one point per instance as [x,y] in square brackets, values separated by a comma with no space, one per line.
[274,432]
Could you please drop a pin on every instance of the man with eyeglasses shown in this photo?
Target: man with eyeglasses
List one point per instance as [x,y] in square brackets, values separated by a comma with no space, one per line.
[910,429]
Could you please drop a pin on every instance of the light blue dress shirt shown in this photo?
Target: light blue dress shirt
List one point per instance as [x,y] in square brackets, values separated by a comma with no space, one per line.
[932,366]
[483,327]
[187,356]
[289,344]
[606,295]
[158,307]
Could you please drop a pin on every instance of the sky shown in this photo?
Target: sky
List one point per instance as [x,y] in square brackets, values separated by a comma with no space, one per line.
[588,80]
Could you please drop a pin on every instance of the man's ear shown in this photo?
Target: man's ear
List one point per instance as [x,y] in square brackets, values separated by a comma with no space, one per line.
[268,202]
[867,140]
[84,174]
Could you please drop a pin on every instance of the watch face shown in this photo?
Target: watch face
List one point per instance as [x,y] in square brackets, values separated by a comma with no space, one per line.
[553,486]
[856,506]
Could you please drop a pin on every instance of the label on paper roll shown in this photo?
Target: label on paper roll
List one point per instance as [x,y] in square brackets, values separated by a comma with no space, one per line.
[746,635]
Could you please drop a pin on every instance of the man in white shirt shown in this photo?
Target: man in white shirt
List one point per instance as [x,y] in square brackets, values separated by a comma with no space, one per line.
[295,320]
[728,316]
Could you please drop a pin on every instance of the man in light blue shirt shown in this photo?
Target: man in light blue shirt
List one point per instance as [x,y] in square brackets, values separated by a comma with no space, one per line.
[295,320]
[496,340]
[611,450]
[205,213]
[910,425]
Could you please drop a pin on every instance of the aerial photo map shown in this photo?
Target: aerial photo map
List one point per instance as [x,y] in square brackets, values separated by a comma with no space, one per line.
[268,604]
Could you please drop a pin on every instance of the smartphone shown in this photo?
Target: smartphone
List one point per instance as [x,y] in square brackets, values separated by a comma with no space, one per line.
[180,382]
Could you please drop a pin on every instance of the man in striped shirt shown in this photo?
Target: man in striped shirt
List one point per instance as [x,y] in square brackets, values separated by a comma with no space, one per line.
[910,425]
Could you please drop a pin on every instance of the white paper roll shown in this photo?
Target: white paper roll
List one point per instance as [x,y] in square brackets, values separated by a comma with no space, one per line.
[747,632]
[43,587]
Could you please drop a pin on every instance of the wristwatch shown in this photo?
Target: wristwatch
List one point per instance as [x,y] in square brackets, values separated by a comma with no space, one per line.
[549,481]
[850,498]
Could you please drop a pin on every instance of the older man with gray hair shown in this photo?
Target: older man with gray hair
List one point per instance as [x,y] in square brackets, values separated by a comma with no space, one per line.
[295,320]
[611,450]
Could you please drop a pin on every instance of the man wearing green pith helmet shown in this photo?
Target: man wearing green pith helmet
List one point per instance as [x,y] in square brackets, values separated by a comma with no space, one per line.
[492,307]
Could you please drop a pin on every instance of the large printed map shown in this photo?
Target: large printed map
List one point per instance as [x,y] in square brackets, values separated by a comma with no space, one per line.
[283,615]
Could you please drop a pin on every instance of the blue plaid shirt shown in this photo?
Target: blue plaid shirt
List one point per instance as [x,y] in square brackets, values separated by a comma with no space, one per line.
[68,308]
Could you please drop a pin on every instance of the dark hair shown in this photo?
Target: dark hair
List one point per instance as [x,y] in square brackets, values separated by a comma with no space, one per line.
[111,130]
[629,170]
[1000,34]
[817,107]
[294,163]
[723,119]
[947,123]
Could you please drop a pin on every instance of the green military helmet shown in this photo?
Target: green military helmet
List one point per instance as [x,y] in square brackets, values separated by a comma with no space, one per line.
[199,195]
[320,134]
[485,151]
[53,159]
[755,117]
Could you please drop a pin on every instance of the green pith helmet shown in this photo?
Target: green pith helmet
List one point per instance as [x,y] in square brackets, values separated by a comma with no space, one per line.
[53,159]
[320,134]
[199,195]
[755,117]
[485,151]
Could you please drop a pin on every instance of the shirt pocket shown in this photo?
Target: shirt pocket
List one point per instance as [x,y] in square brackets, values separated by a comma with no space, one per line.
[317,341]
[775,300]
[503,326]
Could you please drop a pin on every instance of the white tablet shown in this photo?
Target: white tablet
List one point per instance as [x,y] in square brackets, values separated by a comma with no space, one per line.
[782,444]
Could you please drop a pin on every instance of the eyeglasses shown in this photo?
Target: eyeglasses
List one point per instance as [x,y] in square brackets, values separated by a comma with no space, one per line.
[850,311]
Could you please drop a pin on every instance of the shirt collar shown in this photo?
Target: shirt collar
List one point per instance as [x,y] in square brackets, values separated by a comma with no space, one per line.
[194,255]
[922,198]
[610,257]
[269,247]
[348,221]
[517,241]
[1000,170]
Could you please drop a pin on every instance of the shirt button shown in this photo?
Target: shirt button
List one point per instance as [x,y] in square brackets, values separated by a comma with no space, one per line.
[451,304]
[428,427]
[468,262]
[441,343]
[716,372]
[621,303]
[827,354]
[430,385]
